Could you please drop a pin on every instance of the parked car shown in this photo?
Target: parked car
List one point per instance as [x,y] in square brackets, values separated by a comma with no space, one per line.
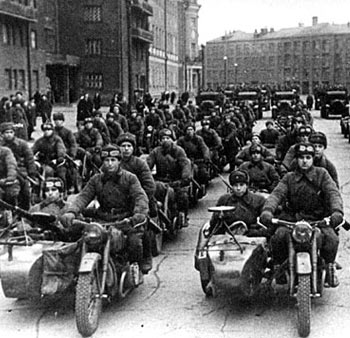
[282,103]
[336,102]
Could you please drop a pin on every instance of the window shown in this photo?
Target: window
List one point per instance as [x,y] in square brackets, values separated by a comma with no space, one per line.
[15,79]
[36,79]
[6,34]
[93,47]
[94,81]
[8,78]
[21,79]
[92,14]
[33,39]
[21,36]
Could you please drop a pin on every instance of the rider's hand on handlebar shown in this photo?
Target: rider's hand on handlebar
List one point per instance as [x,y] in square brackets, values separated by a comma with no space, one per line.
[336,219]
[266,218]
[124,225]
[67,219]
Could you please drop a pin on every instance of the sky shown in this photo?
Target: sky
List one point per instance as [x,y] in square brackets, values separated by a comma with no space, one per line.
[218,16]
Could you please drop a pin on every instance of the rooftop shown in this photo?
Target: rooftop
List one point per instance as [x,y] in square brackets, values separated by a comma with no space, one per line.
[301,31]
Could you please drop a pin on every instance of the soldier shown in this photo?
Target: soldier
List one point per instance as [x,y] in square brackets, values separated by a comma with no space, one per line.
[129,162]
[173,168]
[24,158]
[309,193]
[121,199]
[115,130]
[263,175]
[51,152]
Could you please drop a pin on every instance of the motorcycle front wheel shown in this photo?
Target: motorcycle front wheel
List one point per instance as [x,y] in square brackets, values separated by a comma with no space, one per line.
[304,305]
[88,302]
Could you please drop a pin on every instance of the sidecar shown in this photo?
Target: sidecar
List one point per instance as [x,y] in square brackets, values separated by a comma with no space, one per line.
[230,261]
[33,264]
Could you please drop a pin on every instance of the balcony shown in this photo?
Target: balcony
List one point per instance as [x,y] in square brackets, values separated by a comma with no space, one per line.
[142,34]
[142,6]
[16,10]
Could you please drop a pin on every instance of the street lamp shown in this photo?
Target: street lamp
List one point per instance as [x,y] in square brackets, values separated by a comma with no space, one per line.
[235,65]
[225,71]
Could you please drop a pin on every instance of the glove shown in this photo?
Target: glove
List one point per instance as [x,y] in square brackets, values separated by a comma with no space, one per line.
[124,225]
[336,219]
[67,219]
[266,218]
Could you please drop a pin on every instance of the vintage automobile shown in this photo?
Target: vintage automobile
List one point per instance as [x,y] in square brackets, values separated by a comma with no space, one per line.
[336,102]
[252,98]
[206,101]
[282,103]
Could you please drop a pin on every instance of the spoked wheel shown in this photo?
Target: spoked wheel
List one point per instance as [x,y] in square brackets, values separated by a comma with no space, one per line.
[304,305]
[88,302]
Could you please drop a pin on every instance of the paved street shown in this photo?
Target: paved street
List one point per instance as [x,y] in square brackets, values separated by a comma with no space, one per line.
[171,303]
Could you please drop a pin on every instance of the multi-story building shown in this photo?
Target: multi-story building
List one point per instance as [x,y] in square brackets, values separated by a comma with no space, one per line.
[20,58]
[303,56]
[164,52]
[193,57]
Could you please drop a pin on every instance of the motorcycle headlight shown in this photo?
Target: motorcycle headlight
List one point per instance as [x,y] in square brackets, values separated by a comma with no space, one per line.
[302,232]
[93,235]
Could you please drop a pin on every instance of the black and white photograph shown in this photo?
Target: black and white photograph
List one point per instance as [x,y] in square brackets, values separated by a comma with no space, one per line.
[174,168]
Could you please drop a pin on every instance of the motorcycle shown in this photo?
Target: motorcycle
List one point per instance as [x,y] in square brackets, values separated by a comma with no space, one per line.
[38,259]
[104,272]
[304,269]
[227,258]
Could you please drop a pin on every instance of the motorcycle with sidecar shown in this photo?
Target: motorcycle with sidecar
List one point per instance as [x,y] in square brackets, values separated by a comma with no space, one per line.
[104,272]
[226,258]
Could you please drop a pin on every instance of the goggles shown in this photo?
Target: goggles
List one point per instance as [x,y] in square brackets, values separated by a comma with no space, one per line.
[299,121]
[53,184]
[111,153]
[255,152]
[306,149]
[47,128]
[305,131]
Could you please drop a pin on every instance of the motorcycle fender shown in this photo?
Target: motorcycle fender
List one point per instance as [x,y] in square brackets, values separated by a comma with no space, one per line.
[303,263]
[88,261]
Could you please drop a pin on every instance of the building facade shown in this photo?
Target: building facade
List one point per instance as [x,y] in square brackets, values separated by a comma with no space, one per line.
[303,56]
[21,59]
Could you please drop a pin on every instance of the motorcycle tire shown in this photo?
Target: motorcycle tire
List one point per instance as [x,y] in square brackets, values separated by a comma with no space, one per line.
[156,243]
[304,305]
[88,303]
[208,291]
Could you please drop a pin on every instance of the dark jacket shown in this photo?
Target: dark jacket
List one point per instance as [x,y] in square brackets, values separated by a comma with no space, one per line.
[140,168]
[311,196]
[23,154]
[89,139]
[194,147]
[119,195]
[211,138]
[68,139]
[172,165]
[8,164]
[49,148]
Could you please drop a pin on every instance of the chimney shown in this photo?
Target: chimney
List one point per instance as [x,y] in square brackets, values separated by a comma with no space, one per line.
[314,20]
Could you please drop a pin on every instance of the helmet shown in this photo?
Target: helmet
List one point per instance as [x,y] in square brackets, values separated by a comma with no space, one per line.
[110,115]
[88,120]
[255,148]
[166,132]
[127,137]
[239,176]
[319,138]
[58,116]
[7,126]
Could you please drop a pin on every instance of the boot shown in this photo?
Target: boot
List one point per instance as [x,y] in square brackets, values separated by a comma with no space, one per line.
[331,277]
[146,265]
